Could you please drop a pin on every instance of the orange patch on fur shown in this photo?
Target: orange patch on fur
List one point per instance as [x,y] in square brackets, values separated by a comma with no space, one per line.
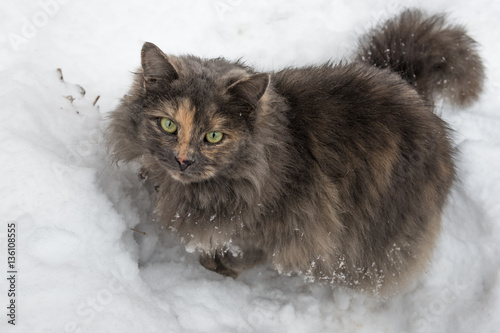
[184,116]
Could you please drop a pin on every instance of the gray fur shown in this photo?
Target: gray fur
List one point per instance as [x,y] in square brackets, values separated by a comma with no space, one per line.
[338,173]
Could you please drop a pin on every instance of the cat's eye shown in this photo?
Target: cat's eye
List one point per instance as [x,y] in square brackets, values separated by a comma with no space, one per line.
[168,125]
[214,137]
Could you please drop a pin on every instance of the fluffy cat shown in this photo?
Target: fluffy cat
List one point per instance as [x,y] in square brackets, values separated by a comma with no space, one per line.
[338,172]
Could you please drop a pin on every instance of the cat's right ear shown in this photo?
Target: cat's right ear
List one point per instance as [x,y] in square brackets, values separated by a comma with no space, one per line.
[250,88]
[156,66]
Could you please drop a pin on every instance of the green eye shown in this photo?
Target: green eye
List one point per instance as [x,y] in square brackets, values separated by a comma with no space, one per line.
[214,137]
[168,125]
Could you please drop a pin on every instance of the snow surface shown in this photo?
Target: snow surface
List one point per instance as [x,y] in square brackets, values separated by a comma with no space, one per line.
[80,266]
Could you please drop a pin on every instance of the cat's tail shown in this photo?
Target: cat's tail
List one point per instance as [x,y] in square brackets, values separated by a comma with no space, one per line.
[433,56]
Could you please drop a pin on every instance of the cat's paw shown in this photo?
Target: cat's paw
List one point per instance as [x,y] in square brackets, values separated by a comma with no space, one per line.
[144,175]
[213,263]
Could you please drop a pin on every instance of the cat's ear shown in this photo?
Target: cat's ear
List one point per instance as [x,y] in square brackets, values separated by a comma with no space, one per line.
[156,66]
[250,88]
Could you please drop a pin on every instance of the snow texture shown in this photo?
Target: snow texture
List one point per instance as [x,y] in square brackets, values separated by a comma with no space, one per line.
[80,266]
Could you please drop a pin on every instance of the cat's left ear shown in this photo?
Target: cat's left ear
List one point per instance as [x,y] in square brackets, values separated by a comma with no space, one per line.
[251,88]
[156,65]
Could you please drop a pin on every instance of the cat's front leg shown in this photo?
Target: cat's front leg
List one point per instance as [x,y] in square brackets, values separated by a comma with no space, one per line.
[144,174]
[229,264]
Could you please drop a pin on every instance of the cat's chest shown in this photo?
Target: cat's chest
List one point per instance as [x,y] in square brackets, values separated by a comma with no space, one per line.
[209,230]
[212,214]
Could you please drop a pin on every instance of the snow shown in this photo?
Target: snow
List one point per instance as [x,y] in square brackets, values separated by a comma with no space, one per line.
[80,266]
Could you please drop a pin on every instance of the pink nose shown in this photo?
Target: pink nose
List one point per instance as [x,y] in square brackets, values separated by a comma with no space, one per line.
[184,163]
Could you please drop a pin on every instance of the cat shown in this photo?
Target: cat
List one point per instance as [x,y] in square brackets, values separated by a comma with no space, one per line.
[337,172]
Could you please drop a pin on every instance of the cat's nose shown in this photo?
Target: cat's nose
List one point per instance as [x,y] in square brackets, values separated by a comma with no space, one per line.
[183,163]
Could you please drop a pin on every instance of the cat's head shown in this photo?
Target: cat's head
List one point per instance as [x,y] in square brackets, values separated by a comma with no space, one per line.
[196,117]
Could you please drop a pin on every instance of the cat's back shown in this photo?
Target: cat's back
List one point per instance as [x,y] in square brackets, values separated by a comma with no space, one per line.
[369,135]
[349,114]
[333,89]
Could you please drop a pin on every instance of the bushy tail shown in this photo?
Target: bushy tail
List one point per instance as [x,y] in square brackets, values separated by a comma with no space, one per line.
[433,56]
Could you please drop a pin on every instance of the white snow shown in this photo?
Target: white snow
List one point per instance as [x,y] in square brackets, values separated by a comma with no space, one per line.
[80,266]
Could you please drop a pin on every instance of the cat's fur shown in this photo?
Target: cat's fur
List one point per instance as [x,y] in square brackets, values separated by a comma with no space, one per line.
[336,172]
